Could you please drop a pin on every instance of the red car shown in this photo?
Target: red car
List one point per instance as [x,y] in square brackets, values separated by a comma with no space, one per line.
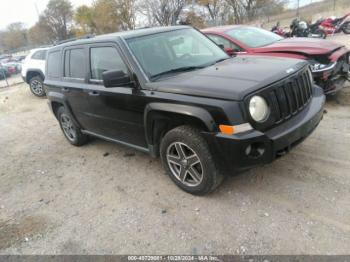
[329,61]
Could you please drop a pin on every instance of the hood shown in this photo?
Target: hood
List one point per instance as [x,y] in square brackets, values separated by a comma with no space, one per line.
[303,45]
[231,79]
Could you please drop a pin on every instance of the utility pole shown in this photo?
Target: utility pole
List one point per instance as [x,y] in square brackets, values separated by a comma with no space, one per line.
[298,1]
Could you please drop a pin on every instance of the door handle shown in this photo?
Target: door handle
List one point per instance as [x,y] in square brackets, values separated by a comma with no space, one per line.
[94,93]
[65,89]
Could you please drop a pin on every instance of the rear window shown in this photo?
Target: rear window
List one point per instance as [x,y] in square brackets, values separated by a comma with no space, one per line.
[53,64]
[253,36]
[39,55]
[74,61]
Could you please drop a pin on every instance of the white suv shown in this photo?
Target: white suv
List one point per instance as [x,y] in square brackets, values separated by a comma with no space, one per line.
[33,70]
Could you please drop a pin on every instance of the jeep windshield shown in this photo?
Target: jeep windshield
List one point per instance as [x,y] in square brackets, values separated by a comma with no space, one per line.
[173,52]
[253,37]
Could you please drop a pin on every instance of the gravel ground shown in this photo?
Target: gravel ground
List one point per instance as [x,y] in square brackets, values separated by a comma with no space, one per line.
[60,199]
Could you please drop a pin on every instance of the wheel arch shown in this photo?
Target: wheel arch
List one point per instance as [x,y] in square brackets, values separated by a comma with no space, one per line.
[57,100]
[159,118]
[32,73]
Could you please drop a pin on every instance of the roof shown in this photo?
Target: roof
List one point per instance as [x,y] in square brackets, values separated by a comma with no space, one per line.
[124,35]
[223,28]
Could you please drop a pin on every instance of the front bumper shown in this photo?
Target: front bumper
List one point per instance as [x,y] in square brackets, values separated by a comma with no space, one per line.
[333,80]
[254,148]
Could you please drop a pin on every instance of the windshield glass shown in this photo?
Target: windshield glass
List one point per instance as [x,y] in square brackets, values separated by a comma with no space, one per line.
[168,51]
[253,36]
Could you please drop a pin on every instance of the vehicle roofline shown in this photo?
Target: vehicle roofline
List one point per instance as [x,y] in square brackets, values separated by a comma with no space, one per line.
[124,35]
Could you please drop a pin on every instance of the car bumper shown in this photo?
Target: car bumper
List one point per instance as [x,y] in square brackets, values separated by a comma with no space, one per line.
[333,80]
[254,148]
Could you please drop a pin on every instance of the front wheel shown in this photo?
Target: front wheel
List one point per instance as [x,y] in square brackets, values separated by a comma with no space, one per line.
[321,33]
[346,28]
[187,159]
[36,85]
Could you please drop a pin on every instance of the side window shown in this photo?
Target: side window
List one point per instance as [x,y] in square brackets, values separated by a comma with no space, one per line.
[53,64]
[39,55]
[104,59]
[74,61]
[219,40]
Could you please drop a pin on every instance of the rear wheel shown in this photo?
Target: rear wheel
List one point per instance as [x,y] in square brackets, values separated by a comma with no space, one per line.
[186,157]
[70,130]
[36,85]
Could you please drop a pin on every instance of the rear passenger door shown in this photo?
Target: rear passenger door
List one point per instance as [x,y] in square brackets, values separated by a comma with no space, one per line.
[116,111]
[75,73]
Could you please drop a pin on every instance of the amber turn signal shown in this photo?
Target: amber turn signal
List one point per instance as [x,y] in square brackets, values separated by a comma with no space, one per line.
[227,130]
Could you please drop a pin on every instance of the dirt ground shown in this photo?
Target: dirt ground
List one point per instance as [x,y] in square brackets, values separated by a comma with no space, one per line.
[60,199]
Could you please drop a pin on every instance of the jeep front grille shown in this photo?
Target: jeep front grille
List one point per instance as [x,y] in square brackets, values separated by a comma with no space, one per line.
[285,98]
[290,97]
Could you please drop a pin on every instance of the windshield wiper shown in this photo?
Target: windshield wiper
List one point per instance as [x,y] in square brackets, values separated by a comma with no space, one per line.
[220,60]
[176,70]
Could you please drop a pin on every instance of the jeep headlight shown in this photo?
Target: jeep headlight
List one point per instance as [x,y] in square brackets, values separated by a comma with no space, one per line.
[317,67]
[258,109]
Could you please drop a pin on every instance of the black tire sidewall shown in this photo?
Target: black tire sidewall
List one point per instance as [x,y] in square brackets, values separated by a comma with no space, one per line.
[193,139]
[80,138]
[38,78]
[346,29]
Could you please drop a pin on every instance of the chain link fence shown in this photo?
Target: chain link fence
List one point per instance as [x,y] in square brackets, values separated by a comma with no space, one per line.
[8,81]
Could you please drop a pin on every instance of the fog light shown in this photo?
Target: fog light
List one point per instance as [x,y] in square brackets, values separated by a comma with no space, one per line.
[255,150]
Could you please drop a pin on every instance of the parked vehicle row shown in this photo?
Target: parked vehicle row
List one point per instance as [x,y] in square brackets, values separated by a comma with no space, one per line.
[329,61]
[320,29]
[173,93]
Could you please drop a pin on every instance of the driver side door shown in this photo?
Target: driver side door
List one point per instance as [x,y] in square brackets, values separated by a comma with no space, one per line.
[116,111]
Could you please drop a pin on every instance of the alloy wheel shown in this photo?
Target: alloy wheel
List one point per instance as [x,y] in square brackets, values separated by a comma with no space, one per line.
[37,87]
[184,164]
[68,127]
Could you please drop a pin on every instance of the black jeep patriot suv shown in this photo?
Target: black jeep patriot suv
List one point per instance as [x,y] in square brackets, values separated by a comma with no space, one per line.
[172,92]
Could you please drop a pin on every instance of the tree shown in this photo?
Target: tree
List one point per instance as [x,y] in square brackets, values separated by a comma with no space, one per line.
[106,16]
[214,8]
[84,19]
[58,16]
[127,14]
[162,12]
[40,33]
[13,37]
[247,10]
[193,19]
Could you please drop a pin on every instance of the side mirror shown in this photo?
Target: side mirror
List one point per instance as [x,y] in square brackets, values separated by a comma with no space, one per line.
[230,51]
[221,46]
[115,78]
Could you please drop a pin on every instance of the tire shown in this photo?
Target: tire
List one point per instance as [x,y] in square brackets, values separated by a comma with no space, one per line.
[346,28]
[197,178]
[70,130]
[36,85]
[321,33]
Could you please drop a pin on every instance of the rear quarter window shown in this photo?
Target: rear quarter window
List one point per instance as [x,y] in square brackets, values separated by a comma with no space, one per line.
[39,55]
[53,64]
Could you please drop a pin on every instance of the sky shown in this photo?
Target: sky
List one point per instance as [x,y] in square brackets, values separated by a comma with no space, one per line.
[26,11]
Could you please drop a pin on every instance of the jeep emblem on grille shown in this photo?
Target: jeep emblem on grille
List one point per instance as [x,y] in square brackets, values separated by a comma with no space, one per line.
[290,70]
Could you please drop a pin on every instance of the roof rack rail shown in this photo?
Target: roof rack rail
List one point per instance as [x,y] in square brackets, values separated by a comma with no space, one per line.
[74,39]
